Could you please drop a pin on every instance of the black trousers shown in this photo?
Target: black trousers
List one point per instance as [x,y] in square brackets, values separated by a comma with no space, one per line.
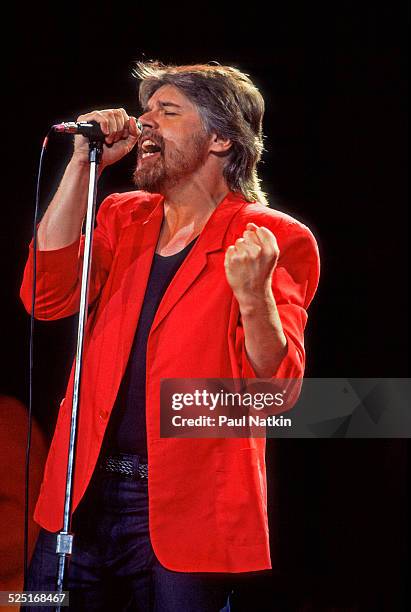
[113,565]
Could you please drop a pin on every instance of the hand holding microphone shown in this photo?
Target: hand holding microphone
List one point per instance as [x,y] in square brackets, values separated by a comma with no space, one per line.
[118,130]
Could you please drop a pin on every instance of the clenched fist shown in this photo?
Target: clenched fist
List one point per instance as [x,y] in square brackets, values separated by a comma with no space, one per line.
[250,262]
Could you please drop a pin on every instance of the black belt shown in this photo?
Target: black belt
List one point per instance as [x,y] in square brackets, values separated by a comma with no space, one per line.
[125,465]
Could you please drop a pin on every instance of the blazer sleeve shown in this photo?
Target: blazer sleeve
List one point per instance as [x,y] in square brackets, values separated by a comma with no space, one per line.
[295,281]
[59,271]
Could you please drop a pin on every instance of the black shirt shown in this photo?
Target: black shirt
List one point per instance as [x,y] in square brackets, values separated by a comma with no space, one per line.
[126,431]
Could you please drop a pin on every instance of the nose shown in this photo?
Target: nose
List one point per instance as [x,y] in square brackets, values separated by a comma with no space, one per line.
[147,119]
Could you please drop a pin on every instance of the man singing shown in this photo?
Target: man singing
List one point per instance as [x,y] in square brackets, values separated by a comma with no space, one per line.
[193,276]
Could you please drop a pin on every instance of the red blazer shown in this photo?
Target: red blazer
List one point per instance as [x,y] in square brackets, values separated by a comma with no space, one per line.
[207,497]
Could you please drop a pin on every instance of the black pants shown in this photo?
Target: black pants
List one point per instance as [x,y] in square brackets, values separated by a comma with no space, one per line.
[113,566]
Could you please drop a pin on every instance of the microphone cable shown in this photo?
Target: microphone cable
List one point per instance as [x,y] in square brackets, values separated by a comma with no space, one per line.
[31,362]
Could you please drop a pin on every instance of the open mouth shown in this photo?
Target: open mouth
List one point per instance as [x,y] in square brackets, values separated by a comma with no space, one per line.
[149,149]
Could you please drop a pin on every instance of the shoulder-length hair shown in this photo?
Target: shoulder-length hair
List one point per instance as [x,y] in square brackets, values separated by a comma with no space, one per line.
[228,103]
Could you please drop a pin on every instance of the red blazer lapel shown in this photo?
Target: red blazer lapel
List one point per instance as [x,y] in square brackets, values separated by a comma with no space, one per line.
[136,251]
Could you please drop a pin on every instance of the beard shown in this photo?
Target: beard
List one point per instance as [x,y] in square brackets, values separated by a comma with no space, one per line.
[170,167]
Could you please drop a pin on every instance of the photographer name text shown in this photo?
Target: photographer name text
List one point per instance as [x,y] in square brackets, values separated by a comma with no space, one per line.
[224,421]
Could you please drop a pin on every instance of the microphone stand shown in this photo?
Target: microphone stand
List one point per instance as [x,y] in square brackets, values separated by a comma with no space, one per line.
[64,537]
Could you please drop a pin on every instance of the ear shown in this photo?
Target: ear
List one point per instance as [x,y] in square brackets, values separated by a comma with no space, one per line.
[220,145]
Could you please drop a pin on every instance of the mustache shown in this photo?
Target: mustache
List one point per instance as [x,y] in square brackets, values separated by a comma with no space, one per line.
[147,133]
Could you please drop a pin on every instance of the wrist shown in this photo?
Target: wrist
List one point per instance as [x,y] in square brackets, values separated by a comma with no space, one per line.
[79,161]
[80,164]
[251,301]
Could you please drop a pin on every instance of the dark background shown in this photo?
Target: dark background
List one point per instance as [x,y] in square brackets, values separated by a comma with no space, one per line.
[334,80]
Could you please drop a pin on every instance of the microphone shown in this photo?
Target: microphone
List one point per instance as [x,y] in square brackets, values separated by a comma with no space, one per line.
[89,129]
